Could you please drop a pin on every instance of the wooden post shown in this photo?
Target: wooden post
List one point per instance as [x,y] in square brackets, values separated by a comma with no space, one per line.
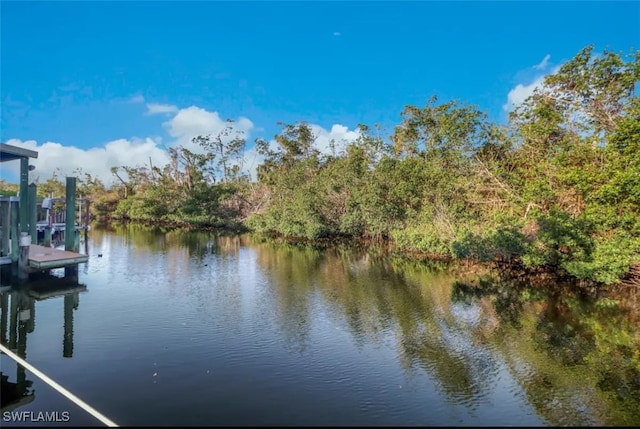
[87,219]
[69,236]
[23,258]
[87,214]
[13,321]
[47,236]
[4,298]
[33,219]
[71,274]
[24,195]
[15,228]
[67,342]
[5,209]
[76,241]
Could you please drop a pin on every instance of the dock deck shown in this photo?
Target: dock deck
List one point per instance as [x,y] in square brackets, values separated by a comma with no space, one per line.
[43,258]
[42,225]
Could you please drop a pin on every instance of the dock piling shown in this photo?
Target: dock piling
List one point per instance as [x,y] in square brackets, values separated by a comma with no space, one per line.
[67,342]
[13,323]
[15,229]
[24,195]
[76,240]
[23,259]
[33,231]
[69,236]
[5,209]
[4,318]
[47,236]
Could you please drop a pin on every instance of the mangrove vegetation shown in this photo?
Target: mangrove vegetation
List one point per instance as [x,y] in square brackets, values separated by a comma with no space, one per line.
[557,188]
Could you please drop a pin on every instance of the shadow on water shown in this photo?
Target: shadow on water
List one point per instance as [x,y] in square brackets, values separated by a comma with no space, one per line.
[17,320]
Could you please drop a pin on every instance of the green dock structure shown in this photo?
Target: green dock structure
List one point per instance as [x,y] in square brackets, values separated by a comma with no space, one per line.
[20,222]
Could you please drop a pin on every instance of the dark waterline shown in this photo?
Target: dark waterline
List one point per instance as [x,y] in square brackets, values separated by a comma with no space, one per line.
[185,328]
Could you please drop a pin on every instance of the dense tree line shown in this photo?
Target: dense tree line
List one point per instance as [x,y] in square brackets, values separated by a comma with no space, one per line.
[558,187]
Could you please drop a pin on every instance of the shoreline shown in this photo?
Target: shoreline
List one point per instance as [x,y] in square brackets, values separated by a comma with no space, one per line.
[513,269]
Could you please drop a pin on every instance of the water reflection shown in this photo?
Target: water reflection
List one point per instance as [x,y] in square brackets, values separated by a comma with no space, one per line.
[576,358]
[160,240]
[18,309]
[576,355]
[376,299]
[18,306]
[238,331]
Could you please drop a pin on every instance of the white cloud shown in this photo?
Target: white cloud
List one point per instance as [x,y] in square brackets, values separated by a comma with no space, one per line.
[339,134]
[543,64]
[136,99]
[97,161]
[194,121]
[182,127]
[520,92]
[155,108]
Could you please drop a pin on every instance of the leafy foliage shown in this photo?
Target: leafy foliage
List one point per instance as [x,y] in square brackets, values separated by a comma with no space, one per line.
[559,187]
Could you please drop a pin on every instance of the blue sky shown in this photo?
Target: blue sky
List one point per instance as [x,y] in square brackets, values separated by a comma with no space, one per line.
[117,82]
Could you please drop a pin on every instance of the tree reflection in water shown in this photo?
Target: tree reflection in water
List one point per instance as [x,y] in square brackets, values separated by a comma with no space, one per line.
[575,356]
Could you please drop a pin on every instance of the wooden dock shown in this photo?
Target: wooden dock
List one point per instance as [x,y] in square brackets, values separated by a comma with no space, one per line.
[24,216]
[44,258]
[55,227]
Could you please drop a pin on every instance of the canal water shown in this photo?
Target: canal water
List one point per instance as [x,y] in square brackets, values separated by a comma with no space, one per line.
[176,328]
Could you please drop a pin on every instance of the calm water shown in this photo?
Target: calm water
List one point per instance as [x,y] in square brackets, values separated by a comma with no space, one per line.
[189,329]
